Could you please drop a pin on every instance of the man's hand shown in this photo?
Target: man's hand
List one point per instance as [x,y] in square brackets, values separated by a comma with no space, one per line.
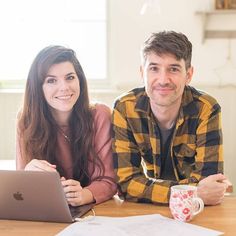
[212,189]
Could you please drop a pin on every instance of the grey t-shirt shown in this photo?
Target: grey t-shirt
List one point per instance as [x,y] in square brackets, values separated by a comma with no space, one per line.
[167,170]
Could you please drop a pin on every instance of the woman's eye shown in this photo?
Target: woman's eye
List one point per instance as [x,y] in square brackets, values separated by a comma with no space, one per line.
[71,77]
[50,80]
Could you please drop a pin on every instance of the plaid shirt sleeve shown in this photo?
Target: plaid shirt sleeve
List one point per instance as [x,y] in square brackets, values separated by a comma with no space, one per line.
[128,162]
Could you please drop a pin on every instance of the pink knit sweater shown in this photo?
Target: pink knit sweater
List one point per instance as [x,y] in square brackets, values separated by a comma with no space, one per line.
[104,189]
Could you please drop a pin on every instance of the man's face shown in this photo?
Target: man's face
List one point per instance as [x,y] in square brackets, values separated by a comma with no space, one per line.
[165,78]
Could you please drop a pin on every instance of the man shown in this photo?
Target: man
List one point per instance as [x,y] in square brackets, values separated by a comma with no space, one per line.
[167,132]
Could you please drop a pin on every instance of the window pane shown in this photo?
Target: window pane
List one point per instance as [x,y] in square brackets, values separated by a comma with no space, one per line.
[78,24]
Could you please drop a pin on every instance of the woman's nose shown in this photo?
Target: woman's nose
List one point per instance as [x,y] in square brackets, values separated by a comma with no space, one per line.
[63,85]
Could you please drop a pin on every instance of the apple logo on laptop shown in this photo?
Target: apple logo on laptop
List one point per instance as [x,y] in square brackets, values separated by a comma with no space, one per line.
[18,196]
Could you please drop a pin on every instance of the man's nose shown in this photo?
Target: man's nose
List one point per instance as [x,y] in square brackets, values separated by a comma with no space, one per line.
[163,77]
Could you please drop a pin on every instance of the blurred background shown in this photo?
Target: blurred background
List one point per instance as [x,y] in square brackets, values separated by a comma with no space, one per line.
[107,35]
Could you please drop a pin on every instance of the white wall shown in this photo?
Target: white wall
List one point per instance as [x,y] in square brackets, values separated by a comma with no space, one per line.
[127,29]
[9,104]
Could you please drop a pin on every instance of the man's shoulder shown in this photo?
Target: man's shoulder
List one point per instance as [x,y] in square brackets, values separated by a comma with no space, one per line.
[203,97]
[130,96]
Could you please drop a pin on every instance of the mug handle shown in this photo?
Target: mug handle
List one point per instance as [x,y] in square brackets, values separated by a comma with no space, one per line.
[199,202]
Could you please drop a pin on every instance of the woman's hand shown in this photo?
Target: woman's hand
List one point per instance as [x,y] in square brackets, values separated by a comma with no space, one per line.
[75,194]
[40,165]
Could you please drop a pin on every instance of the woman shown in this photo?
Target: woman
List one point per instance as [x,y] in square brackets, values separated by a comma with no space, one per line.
[58,130]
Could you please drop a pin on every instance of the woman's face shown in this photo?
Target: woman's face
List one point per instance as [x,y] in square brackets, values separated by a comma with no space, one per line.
[61,89]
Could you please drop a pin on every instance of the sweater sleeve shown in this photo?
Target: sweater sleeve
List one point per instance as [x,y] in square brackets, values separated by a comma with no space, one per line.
[104,188]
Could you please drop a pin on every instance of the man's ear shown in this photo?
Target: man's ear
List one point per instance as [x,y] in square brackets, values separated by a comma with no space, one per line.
[189,75]
[141,72]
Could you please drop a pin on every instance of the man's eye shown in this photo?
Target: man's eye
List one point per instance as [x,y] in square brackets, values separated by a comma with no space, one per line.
[174,69]
[153,68]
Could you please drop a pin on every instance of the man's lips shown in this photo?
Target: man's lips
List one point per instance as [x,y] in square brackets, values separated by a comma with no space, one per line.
[163,90]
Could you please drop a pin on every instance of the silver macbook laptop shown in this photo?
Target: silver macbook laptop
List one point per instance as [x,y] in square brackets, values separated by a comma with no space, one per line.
[35,195]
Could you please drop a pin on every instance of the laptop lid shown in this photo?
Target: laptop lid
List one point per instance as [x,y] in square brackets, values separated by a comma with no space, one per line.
[35,195]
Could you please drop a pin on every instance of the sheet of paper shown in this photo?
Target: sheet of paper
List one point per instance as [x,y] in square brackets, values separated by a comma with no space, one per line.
[148,225]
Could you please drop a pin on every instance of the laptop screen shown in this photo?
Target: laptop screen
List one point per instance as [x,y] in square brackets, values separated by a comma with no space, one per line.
[35,195]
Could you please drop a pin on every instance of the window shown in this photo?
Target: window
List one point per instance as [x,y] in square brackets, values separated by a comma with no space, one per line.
[27,26]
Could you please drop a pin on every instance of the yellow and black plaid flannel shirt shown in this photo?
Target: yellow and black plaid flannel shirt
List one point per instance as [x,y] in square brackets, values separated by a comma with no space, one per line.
[196,146]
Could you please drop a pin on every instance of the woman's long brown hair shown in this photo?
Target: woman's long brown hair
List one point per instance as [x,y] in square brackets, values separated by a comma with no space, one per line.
[37,127]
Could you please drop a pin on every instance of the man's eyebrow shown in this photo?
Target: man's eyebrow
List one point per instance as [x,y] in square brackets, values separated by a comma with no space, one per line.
[156,64]
[176,65]
[153,64]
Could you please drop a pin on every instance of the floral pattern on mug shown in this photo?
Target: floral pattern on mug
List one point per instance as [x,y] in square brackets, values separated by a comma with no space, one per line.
[184,203]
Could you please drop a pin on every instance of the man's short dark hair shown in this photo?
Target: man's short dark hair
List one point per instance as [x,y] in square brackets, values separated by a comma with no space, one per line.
[171,42]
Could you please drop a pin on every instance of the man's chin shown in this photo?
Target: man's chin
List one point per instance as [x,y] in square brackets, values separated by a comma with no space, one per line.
[161,102]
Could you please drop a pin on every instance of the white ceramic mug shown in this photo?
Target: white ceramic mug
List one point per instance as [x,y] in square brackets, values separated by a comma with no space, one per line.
[184,203]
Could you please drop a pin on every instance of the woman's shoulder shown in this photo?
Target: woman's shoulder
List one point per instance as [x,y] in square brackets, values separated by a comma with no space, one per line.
[100,110]
[101,115]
